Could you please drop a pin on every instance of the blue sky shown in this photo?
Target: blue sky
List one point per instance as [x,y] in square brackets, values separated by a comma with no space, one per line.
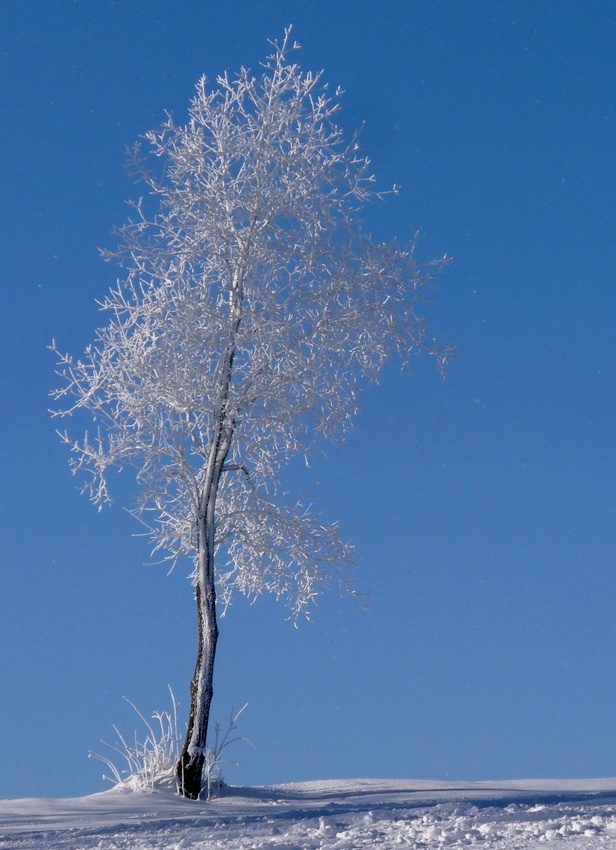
[483,506]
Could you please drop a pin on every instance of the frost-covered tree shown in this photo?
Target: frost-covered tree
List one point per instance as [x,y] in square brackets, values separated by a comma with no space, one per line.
[250,310]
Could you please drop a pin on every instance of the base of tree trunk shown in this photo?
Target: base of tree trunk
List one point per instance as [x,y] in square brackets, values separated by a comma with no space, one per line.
[189,772]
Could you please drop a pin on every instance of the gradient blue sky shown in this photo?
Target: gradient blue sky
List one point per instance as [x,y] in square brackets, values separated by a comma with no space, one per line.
[483,506]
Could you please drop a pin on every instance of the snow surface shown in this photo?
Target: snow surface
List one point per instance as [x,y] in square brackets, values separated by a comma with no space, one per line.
[338,815]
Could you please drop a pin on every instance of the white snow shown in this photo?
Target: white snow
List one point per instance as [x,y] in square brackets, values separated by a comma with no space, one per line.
[337,815]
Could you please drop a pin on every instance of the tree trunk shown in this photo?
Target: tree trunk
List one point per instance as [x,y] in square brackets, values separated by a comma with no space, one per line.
[189,769]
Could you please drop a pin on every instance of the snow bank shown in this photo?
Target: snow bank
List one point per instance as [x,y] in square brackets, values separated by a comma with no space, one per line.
[337,815]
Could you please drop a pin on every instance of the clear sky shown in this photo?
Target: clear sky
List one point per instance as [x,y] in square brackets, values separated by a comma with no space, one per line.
[483,506]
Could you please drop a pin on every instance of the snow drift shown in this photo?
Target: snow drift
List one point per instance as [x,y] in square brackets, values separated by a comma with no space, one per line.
[337,815]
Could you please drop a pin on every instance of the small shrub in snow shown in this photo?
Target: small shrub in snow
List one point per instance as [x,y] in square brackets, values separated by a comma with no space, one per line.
[151,763]
[213,755]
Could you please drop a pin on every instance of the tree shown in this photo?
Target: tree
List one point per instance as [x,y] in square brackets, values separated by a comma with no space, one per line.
[251,309]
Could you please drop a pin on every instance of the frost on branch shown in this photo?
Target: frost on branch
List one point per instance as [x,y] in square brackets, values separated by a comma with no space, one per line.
[251,309]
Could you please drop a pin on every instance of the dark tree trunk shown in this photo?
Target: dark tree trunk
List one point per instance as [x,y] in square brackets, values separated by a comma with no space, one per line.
[189,769]
[190,765]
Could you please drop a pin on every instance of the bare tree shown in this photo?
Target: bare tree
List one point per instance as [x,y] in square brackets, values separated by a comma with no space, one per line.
[251,309]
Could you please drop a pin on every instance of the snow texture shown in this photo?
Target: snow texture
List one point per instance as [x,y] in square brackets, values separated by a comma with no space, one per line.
[338,815]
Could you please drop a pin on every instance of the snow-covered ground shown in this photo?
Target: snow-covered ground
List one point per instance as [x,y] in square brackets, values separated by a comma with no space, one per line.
[338,815]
